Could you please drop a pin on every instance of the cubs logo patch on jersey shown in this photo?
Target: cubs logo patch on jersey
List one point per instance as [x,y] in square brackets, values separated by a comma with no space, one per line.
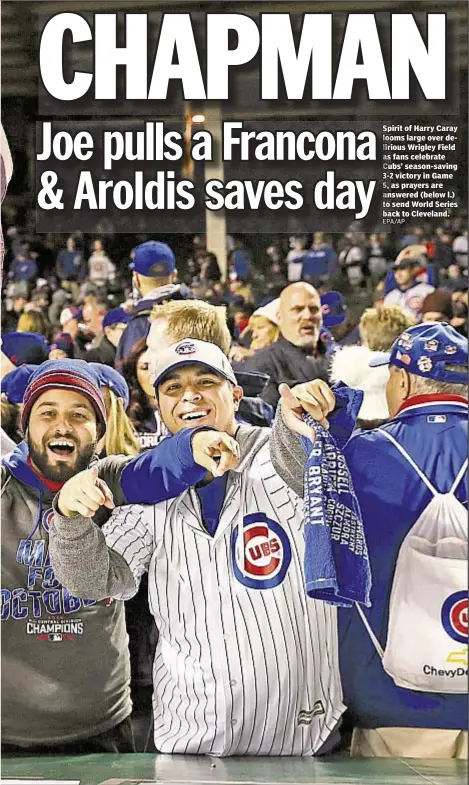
[415,303]
[266,552]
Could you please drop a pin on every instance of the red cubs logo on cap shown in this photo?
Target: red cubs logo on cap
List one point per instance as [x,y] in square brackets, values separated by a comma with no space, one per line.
[454,613]
[262,560]
[186,348]
[326,309]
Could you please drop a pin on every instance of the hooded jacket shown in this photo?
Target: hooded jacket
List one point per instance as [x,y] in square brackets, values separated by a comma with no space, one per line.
[65,661]
[391,497]
[65,664]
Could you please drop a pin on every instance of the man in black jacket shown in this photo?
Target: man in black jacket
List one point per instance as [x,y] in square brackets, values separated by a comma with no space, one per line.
[114,324]
[299,355]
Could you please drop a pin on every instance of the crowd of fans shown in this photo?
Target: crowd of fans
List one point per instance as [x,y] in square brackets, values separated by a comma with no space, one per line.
[41,278]
[81,297]
[291,310]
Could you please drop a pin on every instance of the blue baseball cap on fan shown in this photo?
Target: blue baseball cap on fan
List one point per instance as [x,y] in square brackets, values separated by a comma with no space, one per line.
[153,260]
[112,379]
[334,310]
[25,347]
[116,316]
[427,350]
[14,383]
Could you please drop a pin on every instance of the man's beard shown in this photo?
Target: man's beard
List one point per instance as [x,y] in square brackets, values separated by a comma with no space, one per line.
[61,472]
[308,342]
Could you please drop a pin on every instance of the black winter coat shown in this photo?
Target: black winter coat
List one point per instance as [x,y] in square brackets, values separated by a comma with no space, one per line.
[284,362]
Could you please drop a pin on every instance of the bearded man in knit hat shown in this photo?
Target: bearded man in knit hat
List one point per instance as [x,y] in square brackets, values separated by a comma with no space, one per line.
[65,668]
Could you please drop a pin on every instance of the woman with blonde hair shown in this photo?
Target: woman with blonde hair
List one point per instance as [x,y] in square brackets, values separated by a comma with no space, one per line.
[262,330]
[264,326]
[120,437]
[32,322]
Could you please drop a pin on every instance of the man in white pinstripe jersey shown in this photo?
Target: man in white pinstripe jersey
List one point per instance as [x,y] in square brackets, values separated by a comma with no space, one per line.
[246,663]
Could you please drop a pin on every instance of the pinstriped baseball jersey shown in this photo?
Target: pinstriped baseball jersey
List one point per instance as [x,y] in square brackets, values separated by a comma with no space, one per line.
[246,663]
[411,300]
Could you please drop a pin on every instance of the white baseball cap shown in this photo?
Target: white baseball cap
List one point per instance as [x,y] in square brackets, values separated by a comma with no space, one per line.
[190,352]
[269,311]
[70,312]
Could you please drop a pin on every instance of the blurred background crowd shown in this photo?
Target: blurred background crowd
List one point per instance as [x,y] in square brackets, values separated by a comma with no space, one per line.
[79,292]
[46,275]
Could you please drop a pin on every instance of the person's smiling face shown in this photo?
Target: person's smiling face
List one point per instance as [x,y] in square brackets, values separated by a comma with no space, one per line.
[62,434]
[194,395]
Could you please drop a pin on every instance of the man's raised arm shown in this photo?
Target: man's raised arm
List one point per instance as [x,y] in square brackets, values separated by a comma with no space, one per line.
[286,448]
[164,472]
[80,556]
[86,559]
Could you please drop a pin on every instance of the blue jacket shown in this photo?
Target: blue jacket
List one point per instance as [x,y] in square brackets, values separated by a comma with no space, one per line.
[23,270]
[139,325]
[319,261]
[71,266]
[392,497]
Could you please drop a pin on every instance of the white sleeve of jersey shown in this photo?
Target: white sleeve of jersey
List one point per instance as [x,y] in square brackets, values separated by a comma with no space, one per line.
[129,532]
[392,297]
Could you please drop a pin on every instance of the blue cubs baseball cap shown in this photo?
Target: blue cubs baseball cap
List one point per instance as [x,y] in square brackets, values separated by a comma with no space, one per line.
[63,342]
[116,316]
[112,379]
[14,383]
[334,309]
[153,260]
[25,347]
[427,350]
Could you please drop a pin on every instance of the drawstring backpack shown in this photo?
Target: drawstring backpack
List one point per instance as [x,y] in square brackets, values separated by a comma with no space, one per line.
[426,648]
